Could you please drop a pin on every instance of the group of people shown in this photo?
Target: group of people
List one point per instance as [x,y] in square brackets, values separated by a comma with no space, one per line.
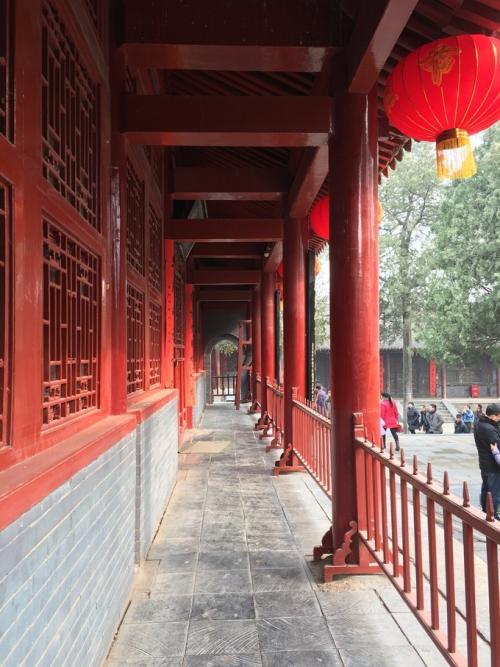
[466,420]
[426,419]
[323,400]
[487,438]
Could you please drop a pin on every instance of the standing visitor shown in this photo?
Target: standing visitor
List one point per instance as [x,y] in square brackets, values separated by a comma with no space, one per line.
[320,399]
[487,433]
[424,423]
[328,404]
[412,418]
[390,415]
[478,412]
[434,419]
[468,418]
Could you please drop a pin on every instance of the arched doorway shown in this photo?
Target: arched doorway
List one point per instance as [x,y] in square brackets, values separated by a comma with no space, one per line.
[221,358]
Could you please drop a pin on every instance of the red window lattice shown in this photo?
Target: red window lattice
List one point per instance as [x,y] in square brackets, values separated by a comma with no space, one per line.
[135,220]
[71,326]
[135,339]
[6,70]
[5,245]
[154,155]
[155,317]
[178,297]
[155,251]
[70,121]
[94,10]
[130,81]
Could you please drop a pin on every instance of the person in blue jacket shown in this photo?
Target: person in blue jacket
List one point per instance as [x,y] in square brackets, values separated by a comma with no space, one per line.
[468,418]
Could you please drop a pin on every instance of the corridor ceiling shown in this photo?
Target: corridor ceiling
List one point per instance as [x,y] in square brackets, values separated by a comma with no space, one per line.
[240,94]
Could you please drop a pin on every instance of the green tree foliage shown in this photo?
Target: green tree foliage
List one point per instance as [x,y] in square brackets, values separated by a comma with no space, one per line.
[226,347]
[461,318]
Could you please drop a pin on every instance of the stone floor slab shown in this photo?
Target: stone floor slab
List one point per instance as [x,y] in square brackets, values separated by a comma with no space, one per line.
[302,659]
[223,581]
[284,604]
[222,637]
[228,606]
[294,634]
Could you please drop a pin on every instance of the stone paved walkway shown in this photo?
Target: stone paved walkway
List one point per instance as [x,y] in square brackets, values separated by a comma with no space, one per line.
[229,579]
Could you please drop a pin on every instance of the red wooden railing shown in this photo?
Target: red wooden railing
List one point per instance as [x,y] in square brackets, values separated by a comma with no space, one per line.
[258,398]
[454,594]
[223,385]
[312,441]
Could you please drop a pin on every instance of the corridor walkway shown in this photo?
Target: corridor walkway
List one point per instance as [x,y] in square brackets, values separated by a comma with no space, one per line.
[229,578]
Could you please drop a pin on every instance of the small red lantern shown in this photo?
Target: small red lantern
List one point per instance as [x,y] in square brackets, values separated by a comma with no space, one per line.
[319,218]
[444,91]
[317,265]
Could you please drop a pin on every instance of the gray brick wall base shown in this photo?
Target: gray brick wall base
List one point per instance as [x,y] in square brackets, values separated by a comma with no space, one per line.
[67,564]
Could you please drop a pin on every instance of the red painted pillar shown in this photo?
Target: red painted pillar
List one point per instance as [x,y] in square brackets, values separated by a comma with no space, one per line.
[188,356]
[444,382]
[168,356]
[354,323]
[294,318]
[256,344]
[118,392]
[267,332]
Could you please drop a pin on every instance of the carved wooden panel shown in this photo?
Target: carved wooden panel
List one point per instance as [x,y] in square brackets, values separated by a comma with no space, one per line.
[70,120]
[135,339]
[179,297]
[6,70]
[71,326]
[5,252]
[94,10]
[155,251]
[135,220]
[155,318]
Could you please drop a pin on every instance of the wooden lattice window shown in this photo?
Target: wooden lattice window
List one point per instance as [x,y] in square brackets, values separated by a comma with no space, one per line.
[6,70]
[155,317]
[179,297]
[154,155]
[135,220]
[155,251]
[130,84]
[94,10]
[70,121]
[5,252]
[71,326]
[135,339]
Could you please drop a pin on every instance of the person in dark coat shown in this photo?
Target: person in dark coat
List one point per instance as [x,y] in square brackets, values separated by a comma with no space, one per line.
[412,418]
[424,422]
[487,433]
[459,425]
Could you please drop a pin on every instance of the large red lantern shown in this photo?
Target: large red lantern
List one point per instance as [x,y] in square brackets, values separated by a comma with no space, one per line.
[319,218]
[445,91]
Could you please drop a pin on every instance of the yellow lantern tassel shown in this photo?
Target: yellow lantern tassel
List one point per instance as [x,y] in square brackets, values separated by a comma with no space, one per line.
[454,155]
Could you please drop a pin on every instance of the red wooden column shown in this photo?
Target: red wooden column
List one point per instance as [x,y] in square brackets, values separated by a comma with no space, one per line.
[256,346]
[119,238]
[168,356]
[189,356]
[294,326]
[354,328]
[267,326]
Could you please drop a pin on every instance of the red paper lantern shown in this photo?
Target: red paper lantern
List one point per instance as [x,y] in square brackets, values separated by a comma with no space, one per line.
[444,91]
[317,265]
[319,218]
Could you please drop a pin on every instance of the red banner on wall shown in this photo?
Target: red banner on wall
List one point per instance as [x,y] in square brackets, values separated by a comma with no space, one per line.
[432,378]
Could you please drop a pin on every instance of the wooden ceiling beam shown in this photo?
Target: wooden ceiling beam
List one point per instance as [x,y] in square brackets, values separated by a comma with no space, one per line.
[208,183]
[274,121]
[224,277]
[226,251]
[224,295]
[275,256]
[310,176]
[225,230]
[228,58]
[378,26]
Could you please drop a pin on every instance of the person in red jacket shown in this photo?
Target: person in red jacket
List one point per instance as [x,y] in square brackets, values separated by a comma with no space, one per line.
[389,413]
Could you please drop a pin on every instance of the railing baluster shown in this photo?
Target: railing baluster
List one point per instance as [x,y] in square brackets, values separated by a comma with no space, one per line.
[383,493]
[377,503]
[470,595]
[369,496]
[450,581]
[494,600]
[419,570]
[394,524]
[433,571]
[406,536]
